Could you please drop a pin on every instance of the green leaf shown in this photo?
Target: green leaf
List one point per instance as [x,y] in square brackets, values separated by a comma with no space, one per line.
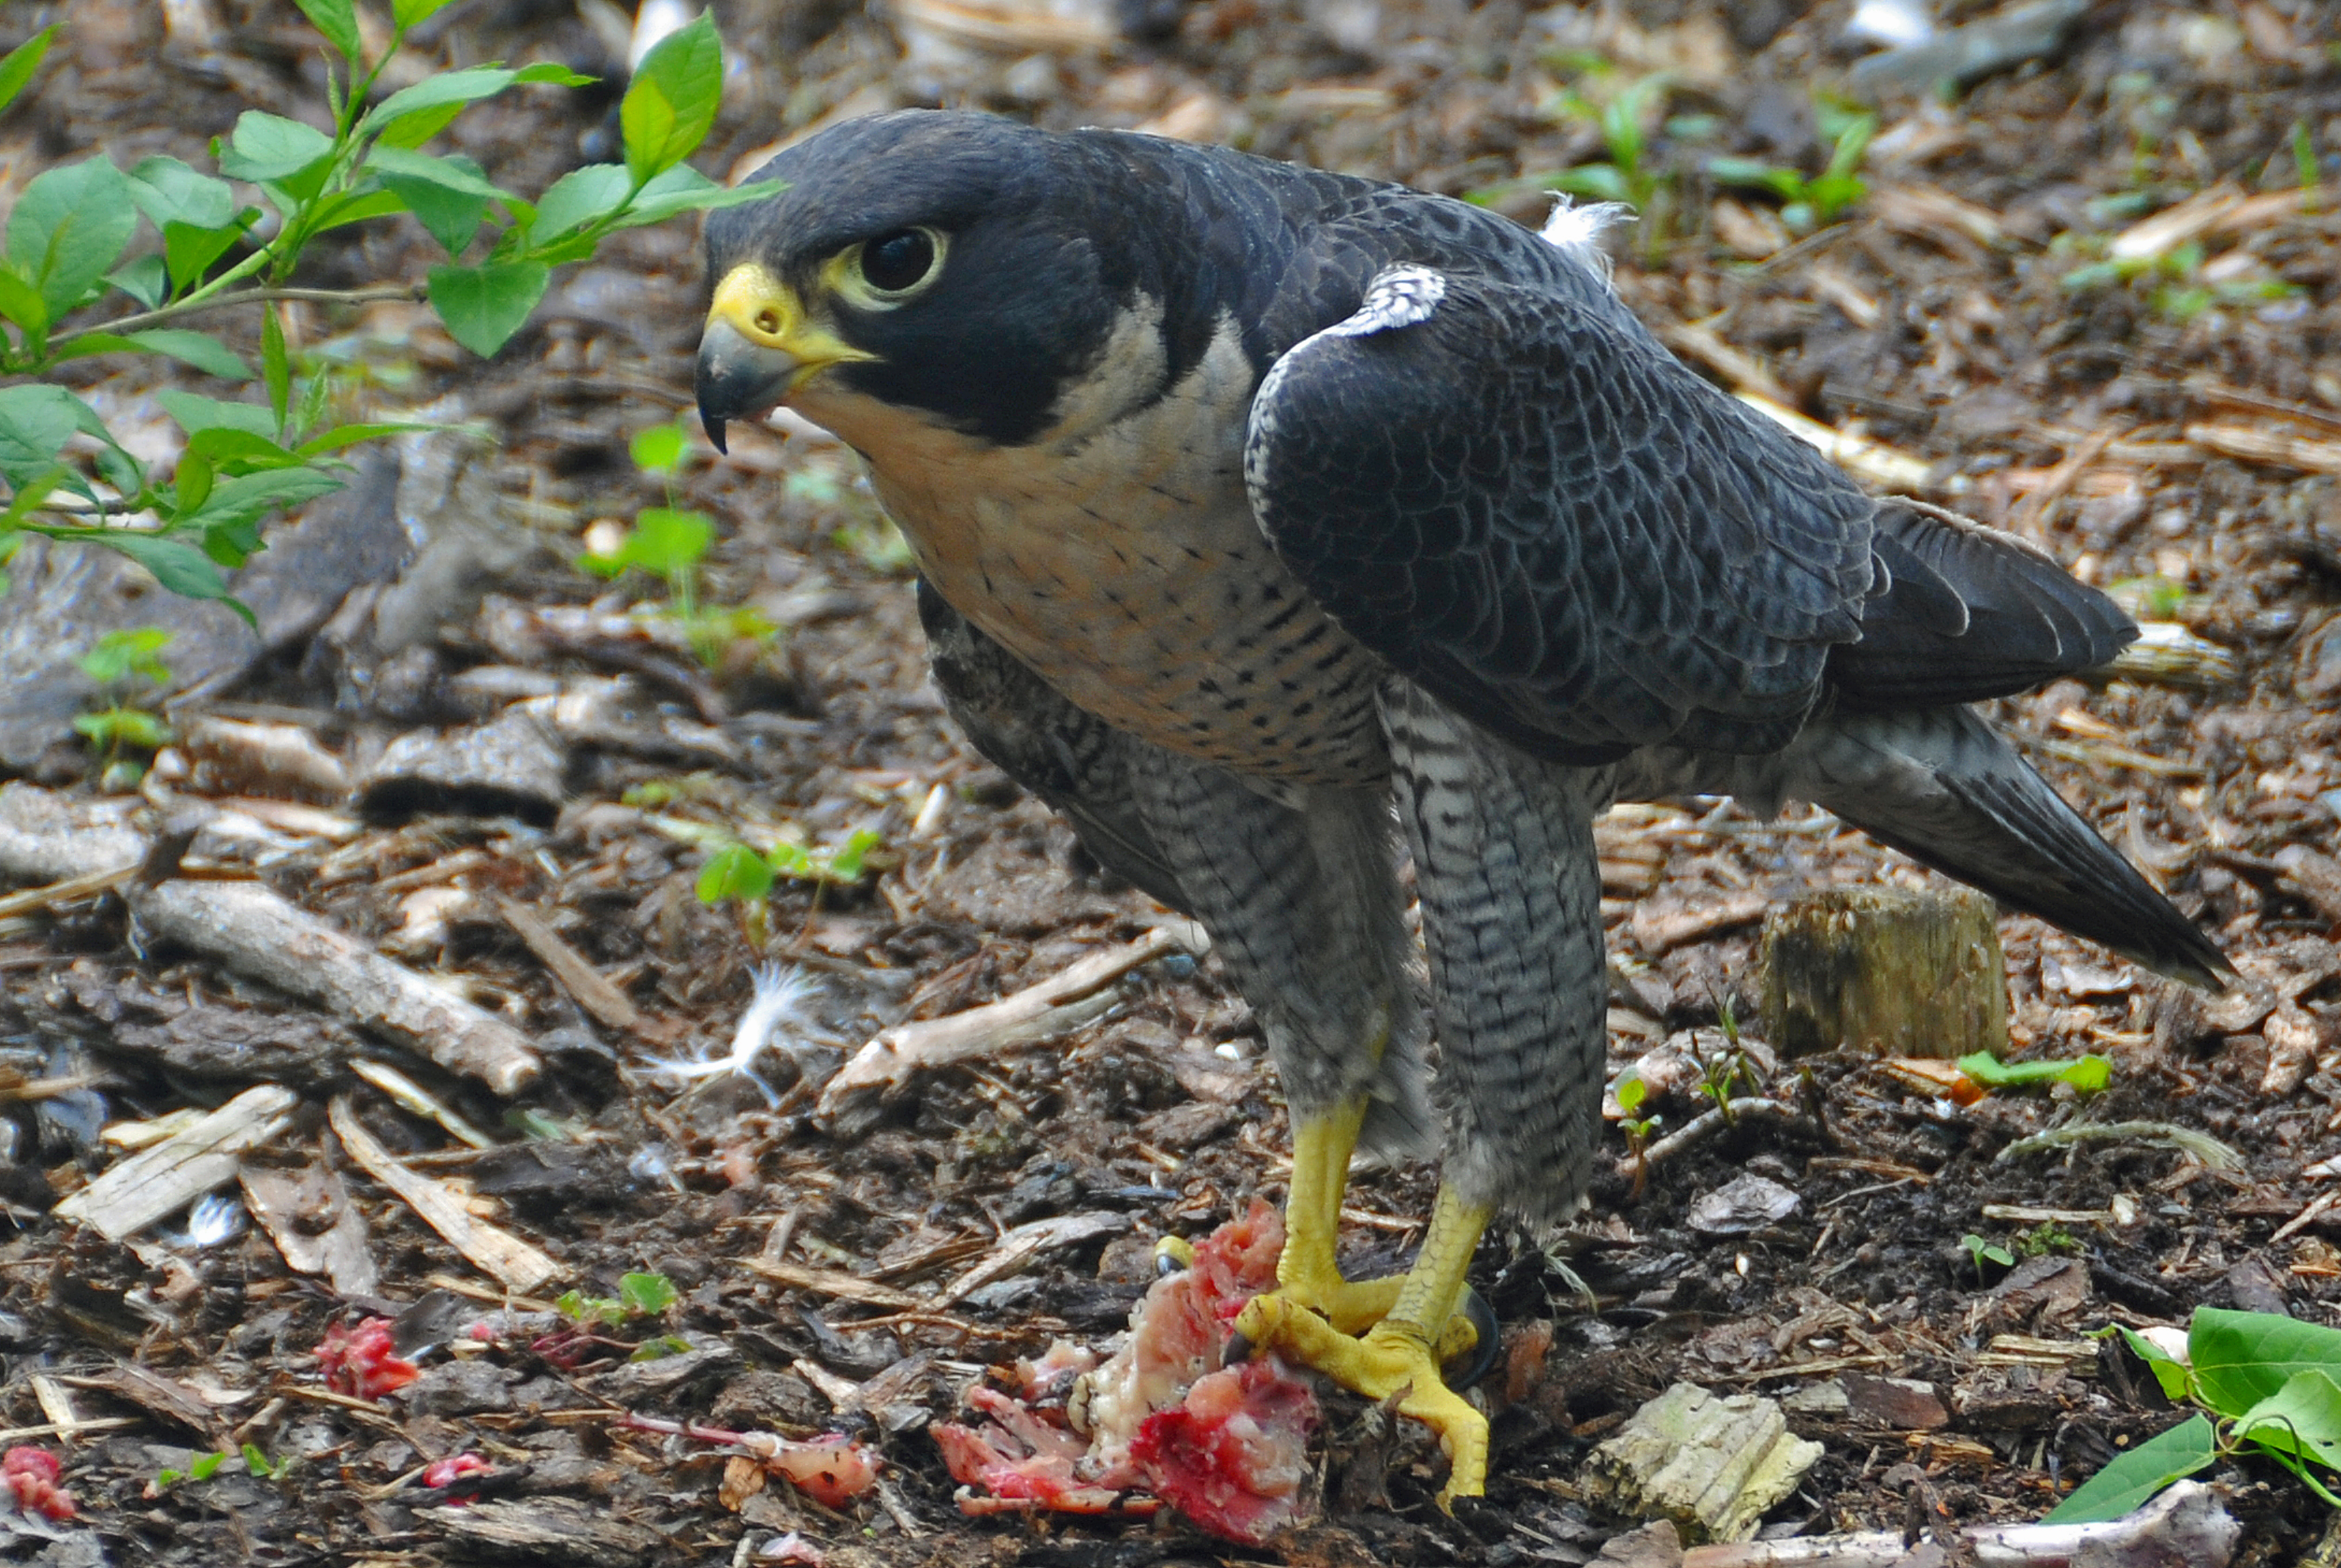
[683,189]
[67,229]
[409,14]
[37,419]
[116,726]
[170,192]
[551,73]
[338,21]
[2088,1074]
[143,279]
[196,414]
[125,652]
[1595,182]
[659,448]
[203,1466]
[414,130]
[441,97]
[356,207]
[16,69]
[200,349]
[235,505]
[21,303]
[734,871]
[275,366]
[2241,1358]
[177,564]
[670,105]
[2138,1474]
[190,250]
[269,149]
[483,306]
[577,198]
[226,446]
[646,1295]
[2303,1418]
[448,196]
[2177,1382]
[193,479]
[659,1349]
[666,541]
[344,435]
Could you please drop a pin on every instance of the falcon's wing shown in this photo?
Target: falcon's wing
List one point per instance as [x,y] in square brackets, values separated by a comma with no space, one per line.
[1521,501]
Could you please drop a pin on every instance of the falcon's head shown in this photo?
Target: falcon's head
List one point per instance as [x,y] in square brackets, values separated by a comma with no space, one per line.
[967,272]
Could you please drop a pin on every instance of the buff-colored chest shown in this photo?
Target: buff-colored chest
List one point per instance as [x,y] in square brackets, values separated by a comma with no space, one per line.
[1117,559]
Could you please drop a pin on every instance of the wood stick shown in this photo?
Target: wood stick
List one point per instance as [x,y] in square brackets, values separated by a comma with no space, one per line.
[592,990]
[1038,1012]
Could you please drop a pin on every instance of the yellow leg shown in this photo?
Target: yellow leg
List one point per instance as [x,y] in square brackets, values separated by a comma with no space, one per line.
[1402,1350]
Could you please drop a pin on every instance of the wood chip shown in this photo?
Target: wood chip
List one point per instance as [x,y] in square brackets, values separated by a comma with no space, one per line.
[837,1284]
[413,1097]
[1017,1249]
[308,1215]
[31,900]
[1038,1013]
[490,1249]
[172,1174]
[1873,461]
[2275,448]
[580,979]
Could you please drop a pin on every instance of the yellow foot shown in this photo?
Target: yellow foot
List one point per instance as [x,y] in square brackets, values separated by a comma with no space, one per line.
[1393,1356]
[1399,1351]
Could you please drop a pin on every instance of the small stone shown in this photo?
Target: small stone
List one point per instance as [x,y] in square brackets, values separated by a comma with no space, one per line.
[2317,675]
[1745,1203]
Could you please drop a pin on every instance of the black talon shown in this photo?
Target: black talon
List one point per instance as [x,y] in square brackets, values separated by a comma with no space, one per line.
[1237,1352]
[1484,1352]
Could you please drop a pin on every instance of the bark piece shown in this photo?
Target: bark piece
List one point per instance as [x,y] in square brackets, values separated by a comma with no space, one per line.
[549,1530]
[233,756]
[1017,1249]
[490,1248]
[308,1215]
[250,929]
[513,767]
[1892,972]
[1714,1465]
[180,1169]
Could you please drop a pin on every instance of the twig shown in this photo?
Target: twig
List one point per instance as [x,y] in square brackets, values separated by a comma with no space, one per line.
[1057,1005]
[155,1182]
[411,292]
[1700,1128]
[2214,1154]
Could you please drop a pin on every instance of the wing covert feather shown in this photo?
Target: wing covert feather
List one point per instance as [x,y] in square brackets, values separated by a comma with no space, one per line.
[1520,499]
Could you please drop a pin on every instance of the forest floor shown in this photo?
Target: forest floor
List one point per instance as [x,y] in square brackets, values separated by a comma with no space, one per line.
[1995,324]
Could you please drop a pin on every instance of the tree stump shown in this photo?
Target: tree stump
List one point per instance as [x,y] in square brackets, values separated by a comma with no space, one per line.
[1898,973]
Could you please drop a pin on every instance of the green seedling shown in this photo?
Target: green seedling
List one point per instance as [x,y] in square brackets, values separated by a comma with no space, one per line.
[2045,1238]
[125,662]
[1814,202]
[73,246]
[670,542]
[1632,1092]
[2262,1384]
[1983,1252]
[1631,174]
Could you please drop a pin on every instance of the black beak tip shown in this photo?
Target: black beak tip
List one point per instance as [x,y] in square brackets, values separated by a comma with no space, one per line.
[714,428]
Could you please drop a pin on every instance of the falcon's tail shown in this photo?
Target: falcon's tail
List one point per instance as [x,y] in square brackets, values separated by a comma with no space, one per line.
[1943,788]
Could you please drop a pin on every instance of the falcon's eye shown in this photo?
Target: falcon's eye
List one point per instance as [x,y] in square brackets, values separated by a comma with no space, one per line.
[896,262]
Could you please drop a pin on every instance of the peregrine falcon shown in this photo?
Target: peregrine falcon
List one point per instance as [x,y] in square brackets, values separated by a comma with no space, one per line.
[1284,528]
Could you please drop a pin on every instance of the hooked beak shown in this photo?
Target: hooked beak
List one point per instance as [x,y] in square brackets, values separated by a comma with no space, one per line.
[758,347]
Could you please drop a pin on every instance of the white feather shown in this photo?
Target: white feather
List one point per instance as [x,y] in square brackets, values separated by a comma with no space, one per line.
[1578,231]
[781,999]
